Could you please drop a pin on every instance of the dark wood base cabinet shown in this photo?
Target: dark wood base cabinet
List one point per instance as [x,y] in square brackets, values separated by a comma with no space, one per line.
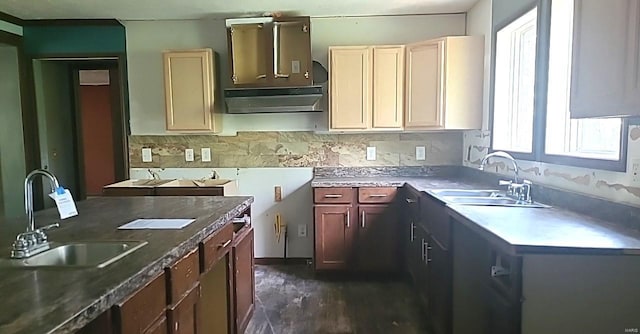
[210,290]
[244,279]
[356,230]
[428,257]
[496,292]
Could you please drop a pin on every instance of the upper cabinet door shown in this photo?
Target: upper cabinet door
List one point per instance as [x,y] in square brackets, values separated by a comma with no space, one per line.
[605,75]
[292,52]
[189,90]
[248,53]
[388,87]
[350,87]
[425,82]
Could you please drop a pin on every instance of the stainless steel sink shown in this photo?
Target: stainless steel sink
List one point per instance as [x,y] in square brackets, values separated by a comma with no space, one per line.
[468,193]
[492,201]
[97,254]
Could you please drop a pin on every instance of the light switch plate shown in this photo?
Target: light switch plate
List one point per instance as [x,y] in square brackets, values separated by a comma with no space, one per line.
[188,154]
[206,154]
[146,155]
[421,153]
[371,153]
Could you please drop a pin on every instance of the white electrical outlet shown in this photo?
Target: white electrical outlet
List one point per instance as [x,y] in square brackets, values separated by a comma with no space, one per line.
[421,153]
[146,155]
[635,172]
[206,154]
[302,230]
[188,154]
[371,153]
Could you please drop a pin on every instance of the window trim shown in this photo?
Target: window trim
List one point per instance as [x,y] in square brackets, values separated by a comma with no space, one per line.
[494,38]
[538,153]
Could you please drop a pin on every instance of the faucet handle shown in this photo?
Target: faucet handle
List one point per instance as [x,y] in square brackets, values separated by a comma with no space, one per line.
[48,227]
[505,183]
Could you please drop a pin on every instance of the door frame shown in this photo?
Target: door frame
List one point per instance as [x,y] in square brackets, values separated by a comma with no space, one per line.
[120,110]
[29,117]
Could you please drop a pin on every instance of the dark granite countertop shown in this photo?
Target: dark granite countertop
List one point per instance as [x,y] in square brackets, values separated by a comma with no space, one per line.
[64,300]
[516,230]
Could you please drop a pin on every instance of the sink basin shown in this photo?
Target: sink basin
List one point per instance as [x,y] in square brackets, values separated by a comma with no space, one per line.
[97,254]
[492,201]
[468,193]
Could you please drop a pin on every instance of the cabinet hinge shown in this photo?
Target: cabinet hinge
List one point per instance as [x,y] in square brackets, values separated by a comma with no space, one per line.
[305,28]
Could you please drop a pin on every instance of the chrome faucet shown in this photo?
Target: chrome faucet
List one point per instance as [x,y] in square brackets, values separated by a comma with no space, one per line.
[34,240]
[519,191]
[154,175]
[505,155]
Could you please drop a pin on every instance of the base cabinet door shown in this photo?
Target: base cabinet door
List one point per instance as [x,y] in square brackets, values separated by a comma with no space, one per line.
[503,315]
[244,279]
[183,316]
[440,280]
[376,247]
[334,234]
[422,267]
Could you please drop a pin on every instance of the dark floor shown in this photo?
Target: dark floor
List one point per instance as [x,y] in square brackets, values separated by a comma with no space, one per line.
[290,300]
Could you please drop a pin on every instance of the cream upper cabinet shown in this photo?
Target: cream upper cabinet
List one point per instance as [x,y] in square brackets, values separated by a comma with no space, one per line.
[189,91]
[366,88]
[605,74]
[444,83]
[388,87]
[349,87]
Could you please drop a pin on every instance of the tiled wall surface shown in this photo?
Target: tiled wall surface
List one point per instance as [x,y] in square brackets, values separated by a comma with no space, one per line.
[613,186]
[298,149]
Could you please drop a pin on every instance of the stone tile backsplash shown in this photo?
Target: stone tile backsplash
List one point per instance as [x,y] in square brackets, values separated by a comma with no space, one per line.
[298,149]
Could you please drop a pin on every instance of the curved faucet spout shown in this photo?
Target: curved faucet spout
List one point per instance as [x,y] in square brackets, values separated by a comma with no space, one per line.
[28,193]
[504,155]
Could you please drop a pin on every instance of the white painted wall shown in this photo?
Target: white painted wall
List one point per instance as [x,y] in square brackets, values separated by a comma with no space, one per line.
[295,208]
[12,164]
[479,24]
[147,39]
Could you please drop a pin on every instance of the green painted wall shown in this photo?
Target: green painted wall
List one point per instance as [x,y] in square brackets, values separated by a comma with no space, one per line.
[59,39]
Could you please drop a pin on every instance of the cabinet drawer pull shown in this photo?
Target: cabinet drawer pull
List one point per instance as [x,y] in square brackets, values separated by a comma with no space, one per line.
[261,76]
[223,245]
[412,233]
[426,254]
[424,250]
[332,196]
[378,195]
[410,201]
[348,218]
[364,215]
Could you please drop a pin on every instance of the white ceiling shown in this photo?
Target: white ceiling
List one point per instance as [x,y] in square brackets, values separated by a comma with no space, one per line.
[197,9]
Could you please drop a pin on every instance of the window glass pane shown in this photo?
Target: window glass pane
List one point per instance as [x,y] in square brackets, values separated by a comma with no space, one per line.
[588,138]
[514,84]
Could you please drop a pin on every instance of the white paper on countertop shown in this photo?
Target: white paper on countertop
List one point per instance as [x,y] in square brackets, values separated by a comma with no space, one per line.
[156,224]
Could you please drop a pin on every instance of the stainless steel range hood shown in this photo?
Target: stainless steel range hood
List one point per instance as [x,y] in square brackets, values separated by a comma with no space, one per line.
[273,100]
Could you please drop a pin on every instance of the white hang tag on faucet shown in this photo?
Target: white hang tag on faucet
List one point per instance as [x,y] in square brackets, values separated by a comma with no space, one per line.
[64,202]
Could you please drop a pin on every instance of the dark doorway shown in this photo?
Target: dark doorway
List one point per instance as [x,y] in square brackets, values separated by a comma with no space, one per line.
[81,120]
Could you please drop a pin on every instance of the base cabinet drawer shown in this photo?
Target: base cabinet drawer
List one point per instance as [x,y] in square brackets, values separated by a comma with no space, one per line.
[182,276]
[139,312]
[334,195]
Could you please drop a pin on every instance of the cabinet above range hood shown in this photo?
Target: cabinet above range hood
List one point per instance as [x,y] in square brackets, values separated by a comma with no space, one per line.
[271,67]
